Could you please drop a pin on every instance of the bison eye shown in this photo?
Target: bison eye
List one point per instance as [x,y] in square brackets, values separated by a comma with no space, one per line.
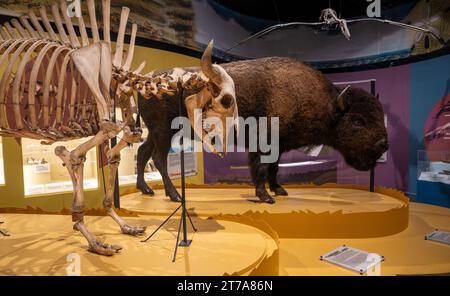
[358,121]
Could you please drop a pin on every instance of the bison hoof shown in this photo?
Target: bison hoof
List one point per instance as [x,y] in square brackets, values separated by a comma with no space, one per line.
[175,198]
[173,195]
[145,189]
[264,197]
[279,191]
[133,230]
[102,248]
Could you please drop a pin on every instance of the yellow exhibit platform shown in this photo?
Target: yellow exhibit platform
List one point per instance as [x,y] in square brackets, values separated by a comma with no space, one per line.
[40,244]
[308,212]
[406,253]
[239,237]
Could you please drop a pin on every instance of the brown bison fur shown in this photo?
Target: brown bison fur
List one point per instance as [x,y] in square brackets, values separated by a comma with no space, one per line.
[305,102]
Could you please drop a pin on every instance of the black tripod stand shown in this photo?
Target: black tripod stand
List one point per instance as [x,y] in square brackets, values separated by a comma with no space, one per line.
[182,225]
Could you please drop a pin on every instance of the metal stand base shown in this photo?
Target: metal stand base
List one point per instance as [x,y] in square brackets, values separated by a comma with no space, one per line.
[185,243]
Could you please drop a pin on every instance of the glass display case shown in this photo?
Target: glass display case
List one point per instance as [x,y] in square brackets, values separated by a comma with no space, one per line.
[433,166]
[43,170]
[2,170]
[433,177]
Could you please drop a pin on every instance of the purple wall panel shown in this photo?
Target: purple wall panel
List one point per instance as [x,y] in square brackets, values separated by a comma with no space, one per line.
[392,84]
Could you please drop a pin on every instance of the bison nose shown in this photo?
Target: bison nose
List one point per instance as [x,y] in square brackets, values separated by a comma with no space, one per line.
[382,144]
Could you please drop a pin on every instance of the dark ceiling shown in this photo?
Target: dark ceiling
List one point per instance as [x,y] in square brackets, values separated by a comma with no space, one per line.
[303,10]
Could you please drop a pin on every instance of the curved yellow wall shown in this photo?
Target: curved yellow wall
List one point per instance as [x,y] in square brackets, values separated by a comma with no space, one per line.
[12,193]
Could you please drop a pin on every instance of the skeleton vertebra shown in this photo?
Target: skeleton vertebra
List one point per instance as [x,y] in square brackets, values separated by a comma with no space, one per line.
[55,88]
[209,89]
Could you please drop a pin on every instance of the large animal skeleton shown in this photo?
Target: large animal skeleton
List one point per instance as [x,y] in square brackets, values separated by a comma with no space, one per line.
[56,88]
[209,88]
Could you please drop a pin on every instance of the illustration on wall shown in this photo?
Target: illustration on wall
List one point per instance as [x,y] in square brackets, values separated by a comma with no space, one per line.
[437,131]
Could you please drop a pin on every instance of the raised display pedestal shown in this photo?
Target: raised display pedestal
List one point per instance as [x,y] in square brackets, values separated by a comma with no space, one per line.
[316,212]
[41,243]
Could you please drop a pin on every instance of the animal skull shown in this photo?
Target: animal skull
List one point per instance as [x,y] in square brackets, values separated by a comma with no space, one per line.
[217,100]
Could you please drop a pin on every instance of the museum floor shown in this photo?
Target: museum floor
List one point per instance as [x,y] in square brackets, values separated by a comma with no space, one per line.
[237,236]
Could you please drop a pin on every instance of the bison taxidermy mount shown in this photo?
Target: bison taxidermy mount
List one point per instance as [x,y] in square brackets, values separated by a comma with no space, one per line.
[311,111]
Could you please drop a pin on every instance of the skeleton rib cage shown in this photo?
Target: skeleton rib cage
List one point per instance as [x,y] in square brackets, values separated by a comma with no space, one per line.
[54,86]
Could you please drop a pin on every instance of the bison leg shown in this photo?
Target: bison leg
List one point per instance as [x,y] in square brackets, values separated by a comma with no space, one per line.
[113,163]
[144,153]
[260,174]
[160,159]
[274,186]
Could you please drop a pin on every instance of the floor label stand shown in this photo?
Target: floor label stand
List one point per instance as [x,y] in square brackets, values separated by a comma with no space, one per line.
[353,259]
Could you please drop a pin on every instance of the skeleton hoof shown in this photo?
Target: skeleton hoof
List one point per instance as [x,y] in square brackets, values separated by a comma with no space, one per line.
[279,191]
[133,230]
[104,249]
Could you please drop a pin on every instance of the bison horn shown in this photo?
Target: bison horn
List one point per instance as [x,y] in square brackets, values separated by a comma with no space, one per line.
[207,66]
[341,99]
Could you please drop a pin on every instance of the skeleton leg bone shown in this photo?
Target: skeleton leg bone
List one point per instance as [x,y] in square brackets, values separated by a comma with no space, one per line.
[74,162]
[113,162]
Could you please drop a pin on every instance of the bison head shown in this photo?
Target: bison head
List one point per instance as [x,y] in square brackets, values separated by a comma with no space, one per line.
[360,134]
[216,99]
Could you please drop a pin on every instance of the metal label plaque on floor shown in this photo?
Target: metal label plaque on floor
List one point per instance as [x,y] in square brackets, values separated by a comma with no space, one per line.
[439,236]
[353,259]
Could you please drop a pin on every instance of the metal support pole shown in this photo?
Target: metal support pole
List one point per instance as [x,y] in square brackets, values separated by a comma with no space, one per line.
[116,184]
[372,170]
[185,242]
[182,226]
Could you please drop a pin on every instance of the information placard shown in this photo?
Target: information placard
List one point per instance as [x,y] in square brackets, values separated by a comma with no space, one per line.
[439,236]
[353,259]
[174,165]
